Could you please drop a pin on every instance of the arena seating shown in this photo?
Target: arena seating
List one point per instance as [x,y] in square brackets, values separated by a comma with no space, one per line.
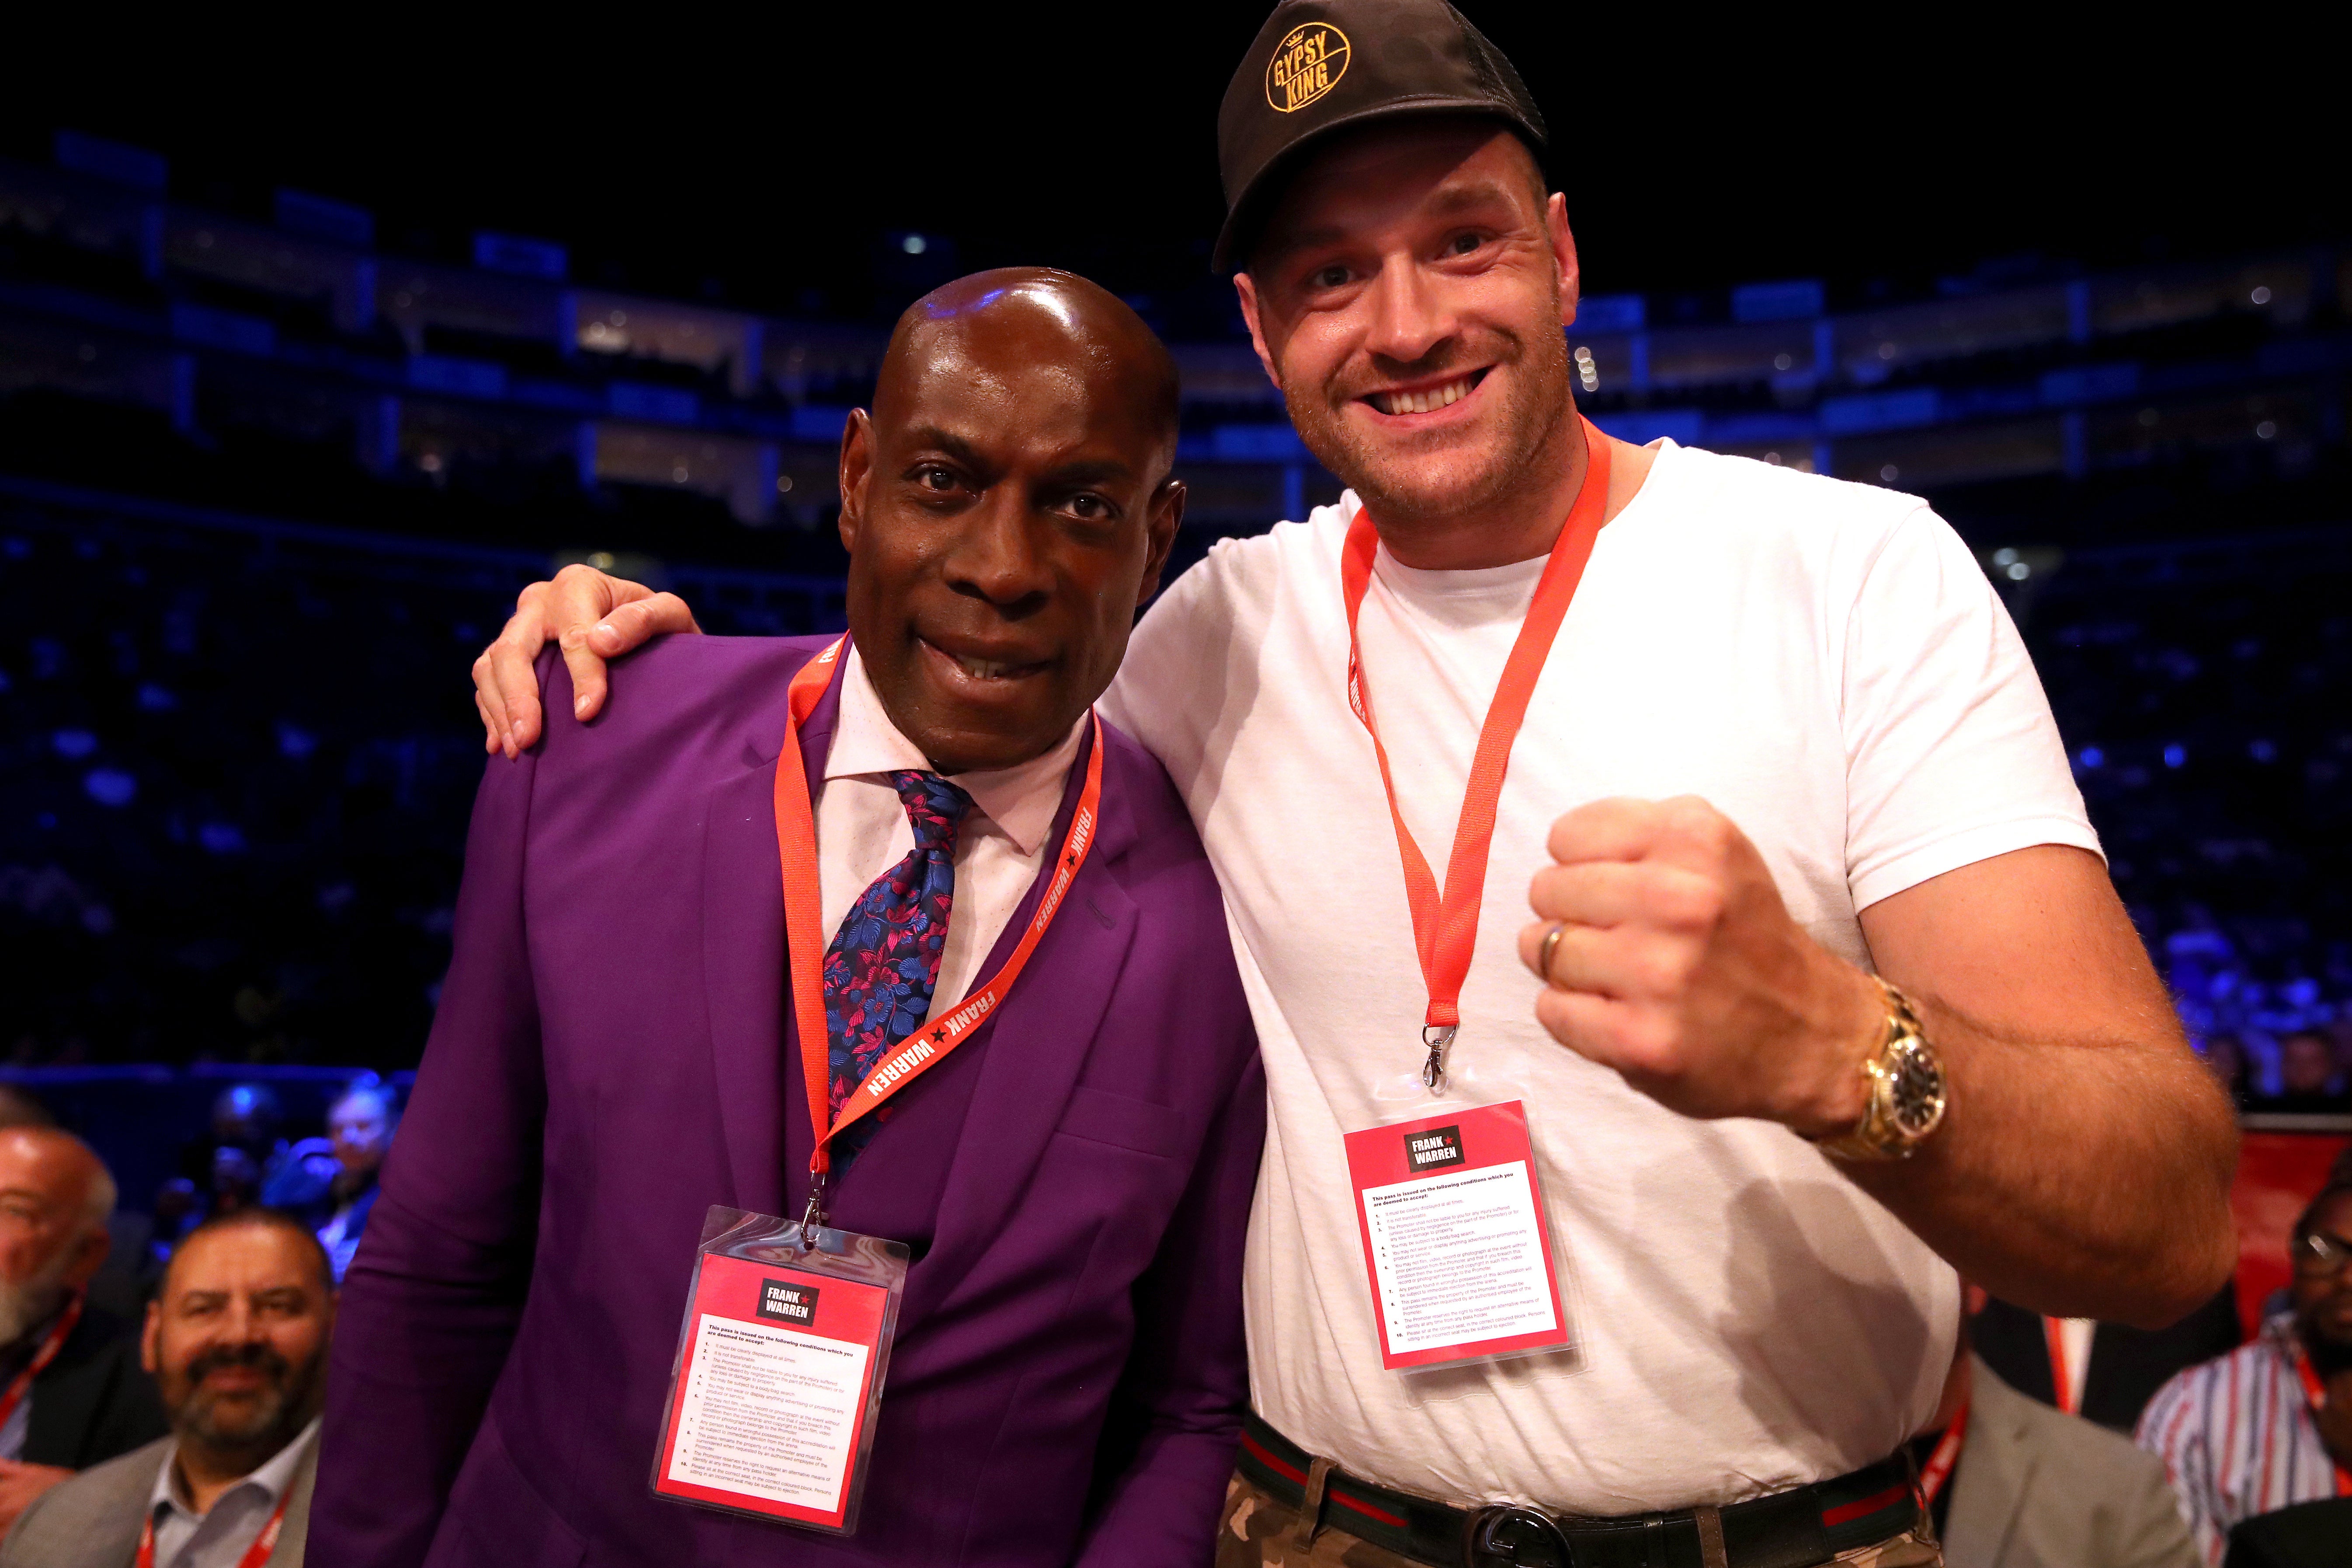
[264,489]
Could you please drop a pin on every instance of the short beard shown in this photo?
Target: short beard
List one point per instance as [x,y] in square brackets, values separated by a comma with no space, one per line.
[1400,489]
[2328,1356]
[265,1427]
[25,1306]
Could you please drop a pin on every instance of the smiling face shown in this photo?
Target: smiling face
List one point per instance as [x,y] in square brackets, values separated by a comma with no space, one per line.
[1409,295]
[1006,508]
[237,1339]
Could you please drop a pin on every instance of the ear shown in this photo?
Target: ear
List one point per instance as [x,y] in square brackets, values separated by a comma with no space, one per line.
[150,1338]
[1563,255]
[1246,287]
[1160,524]
[857,469]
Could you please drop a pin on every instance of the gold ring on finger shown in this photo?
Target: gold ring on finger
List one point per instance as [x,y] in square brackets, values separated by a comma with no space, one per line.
[1550,943]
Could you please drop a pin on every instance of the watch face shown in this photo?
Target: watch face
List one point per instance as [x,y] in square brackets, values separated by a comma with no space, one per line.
[1917,1090]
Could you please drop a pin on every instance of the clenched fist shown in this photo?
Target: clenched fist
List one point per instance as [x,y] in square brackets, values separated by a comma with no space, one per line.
[1676,963]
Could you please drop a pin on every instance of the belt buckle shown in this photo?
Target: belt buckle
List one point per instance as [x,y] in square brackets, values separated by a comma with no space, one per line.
[1510,1535]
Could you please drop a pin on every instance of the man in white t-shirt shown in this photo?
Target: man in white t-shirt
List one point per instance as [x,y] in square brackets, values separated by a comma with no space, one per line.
[1785,738]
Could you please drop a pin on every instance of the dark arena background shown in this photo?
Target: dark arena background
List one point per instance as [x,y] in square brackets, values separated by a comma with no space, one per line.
[312,356]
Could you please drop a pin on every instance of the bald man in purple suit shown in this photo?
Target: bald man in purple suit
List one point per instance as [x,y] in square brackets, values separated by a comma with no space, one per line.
[614,1054]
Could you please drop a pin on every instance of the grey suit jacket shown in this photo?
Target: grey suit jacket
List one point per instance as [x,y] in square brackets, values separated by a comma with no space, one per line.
[2040,1490]
[93,1521]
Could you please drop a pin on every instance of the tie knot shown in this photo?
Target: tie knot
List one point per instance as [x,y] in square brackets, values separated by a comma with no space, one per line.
[934,806]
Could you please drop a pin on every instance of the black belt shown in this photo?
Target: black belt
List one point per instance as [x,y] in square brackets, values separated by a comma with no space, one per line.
[1794,1528]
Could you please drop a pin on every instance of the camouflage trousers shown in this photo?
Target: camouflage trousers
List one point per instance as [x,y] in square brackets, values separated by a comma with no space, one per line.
[1258,1530]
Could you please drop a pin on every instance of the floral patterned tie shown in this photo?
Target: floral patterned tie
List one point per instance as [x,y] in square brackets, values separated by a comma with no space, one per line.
[884,960]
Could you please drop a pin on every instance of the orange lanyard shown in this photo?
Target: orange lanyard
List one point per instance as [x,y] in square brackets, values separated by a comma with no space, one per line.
[1445,925]
[805,940]
[255,1556]
[2316,1393]
[54,1342]
[2061,1375]
[1938,1468]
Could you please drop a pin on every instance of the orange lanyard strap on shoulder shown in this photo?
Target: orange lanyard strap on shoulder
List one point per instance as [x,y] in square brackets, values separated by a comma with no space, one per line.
[805,936]
[2315,1393]
[255,1556]
[2062,1370]
[1938,1468]
[1445,925]
[51,1343]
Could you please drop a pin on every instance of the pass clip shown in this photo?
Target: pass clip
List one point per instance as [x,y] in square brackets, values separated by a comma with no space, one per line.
[778,1372]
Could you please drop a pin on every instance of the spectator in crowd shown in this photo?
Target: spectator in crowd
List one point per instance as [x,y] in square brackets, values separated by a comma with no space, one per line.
[2014,1484]
[2225,1059]
[359,1125]
[71,1393]
[2271,1423]
[2104,1373]
[2307,1074]
[237,1338]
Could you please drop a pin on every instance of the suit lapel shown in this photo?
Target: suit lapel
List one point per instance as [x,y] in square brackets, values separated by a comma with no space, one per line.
[743,955]
[1997,1466]
[1038,1043]
[287,1554]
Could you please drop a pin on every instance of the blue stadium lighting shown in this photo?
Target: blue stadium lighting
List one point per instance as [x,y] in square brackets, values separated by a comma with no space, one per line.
[915,245]
[108,786]
[2262,752]
[2175,755]
[74,742]
[2091,757]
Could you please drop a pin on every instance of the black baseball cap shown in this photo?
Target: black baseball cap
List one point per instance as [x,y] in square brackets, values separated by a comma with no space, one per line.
[1322,66]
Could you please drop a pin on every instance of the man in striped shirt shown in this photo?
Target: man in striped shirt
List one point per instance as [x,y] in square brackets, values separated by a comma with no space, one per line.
[2270,1424]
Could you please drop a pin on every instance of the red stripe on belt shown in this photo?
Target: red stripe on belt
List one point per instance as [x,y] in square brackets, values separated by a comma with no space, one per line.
[1846,1514]
[1291,1472]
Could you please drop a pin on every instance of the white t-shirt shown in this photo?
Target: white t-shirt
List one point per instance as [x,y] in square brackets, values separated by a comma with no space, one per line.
[1822,661]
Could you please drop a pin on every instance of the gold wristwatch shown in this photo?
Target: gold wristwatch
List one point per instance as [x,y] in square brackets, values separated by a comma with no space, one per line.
[1908,1095]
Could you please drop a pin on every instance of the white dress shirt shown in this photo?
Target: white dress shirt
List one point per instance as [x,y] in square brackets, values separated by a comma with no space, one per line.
[220,1537]
[862,829]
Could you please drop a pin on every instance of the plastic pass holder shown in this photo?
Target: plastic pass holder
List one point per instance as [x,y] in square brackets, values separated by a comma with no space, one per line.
[1457,1250]
[778,1372]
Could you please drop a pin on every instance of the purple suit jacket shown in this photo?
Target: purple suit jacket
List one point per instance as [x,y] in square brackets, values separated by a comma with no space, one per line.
[612,1055]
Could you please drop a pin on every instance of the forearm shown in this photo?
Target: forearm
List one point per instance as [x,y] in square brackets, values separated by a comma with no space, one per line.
[2078,1178]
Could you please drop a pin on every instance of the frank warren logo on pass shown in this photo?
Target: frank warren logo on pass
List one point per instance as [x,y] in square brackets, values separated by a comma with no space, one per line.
[1434,1149]
[787,1302]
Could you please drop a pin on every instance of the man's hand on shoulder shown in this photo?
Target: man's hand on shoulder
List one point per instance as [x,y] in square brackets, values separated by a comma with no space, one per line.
[593,617]
[1677,964]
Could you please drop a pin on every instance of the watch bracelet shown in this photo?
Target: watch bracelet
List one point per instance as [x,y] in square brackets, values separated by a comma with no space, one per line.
[1876,1137]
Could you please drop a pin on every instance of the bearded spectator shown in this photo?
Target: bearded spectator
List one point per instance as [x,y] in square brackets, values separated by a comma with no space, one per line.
[71,1393]
[238,1340]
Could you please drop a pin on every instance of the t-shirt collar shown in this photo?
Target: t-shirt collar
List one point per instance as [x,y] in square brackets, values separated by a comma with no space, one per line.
[1020,801]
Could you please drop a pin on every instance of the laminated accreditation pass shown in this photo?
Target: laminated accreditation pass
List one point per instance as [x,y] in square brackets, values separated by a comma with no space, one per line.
[779,1373]
[1455,1245]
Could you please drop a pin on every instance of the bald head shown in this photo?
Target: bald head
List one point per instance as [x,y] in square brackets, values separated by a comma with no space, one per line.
[1015,319]
[54,1199]
[1007,507]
